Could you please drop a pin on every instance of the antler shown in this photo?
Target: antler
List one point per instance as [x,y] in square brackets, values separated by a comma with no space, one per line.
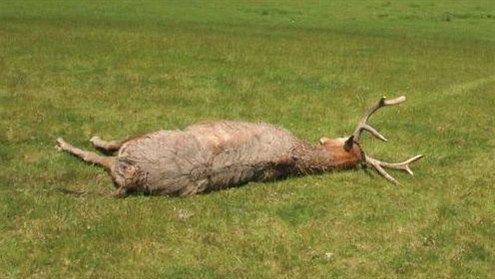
[404,166]
[377,164]
[363,124]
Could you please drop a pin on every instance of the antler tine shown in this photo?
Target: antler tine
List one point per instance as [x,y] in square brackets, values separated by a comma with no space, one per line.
[363,124]
[404,166]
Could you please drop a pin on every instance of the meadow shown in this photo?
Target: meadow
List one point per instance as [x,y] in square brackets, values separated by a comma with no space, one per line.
[118,68]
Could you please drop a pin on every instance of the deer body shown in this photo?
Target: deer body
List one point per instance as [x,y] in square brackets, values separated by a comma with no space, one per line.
[205,157]
[215,155]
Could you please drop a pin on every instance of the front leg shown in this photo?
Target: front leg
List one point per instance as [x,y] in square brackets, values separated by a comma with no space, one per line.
[89,157]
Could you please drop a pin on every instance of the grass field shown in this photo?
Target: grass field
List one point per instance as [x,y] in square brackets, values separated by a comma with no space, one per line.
[118,68]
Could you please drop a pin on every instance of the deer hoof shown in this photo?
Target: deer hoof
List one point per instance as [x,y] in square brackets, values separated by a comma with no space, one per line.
[94,139]
[60,144]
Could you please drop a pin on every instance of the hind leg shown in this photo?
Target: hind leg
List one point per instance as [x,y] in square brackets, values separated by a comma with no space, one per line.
[89,157]
[108,146]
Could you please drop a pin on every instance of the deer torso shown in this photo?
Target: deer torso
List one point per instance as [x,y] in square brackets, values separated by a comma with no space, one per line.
[214,155]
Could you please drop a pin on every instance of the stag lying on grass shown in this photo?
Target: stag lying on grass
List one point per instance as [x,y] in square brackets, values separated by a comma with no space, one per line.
[216,155]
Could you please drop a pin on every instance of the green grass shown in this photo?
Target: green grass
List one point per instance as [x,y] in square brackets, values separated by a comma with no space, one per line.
[118,68]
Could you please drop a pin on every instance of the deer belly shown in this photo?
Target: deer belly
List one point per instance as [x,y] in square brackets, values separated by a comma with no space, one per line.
[224,175]
[168,179]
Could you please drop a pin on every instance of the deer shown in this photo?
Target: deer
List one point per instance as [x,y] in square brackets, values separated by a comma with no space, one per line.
[215,155]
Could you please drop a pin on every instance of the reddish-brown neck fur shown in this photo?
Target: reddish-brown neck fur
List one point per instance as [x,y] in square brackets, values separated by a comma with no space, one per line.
[343,158]
[329,154]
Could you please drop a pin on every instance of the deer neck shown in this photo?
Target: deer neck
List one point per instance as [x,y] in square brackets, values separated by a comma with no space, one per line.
[316,158]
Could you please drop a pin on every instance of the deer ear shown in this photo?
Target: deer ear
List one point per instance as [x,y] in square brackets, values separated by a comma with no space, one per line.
[348,143]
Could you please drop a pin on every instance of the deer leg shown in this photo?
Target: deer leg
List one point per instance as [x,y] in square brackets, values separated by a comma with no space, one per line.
[90,157]
[107,146]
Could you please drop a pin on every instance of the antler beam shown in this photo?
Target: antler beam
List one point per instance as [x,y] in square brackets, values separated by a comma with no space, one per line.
[363,124]
[404,166]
